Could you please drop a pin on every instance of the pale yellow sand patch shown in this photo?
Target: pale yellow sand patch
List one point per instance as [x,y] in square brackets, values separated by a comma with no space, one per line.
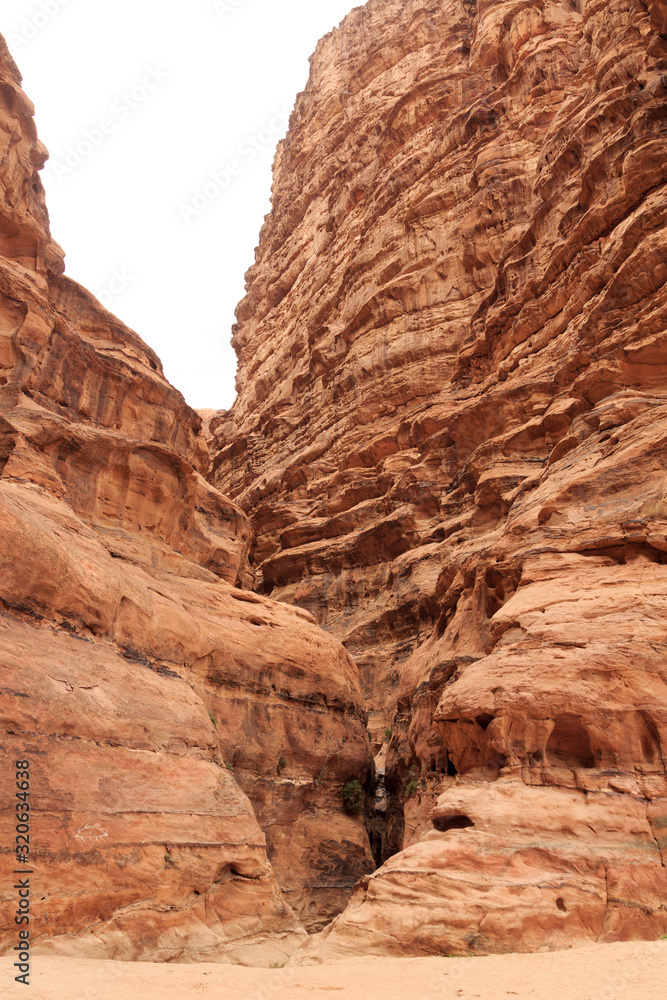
[633,971]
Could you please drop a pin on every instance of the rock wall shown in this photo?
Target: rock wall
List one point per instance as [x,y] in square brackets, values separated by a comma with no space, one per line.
[159,701]
[450,438]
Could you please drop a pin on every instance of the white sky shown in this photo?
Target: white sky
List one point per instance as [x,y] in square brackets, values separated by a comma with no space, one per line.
[216,82]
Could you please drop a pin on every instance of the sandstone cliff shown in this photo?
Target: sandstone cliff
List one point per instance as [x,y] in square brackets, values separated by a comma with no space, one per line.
[159,701]
[450,439]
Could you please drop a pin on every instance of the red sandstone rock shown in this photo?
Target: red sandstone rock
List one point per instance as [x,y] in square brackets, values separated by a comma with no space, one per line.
[144,847]
[509,868]
[449,438]
[137,668]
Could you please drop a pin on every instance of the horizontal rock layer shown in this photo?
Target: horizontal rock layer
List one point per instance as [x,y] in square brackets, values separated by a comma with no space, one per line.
[147,685]
[509,869]
[449,438]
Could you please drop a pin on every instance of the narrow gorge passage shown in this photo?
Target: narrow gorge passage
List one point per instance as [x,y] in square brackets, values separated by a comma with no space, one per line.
[374,663]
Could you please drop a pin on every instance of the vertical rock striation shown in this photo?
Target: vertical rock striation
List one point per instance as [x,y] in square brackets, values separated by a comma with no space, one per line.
[449,437]
[147,685]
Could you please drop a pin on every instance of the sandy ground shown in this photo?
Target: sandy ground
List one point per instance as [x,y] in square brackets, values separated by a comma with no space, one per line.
[634,971]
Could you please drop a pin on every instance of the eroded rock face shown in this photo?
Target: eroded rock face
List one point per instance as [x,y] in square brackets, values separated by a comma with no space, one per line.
[144,846]
[508,868]
[449,437]
[147,685]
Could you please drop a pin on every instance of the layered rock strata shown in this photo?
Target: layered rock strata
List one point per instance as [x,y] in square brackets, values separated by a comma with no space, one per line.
[147,685]
[449,438]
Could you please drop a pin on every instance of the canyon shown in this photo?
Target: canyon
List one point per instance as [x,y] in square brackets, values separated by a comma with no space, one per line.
[422,552]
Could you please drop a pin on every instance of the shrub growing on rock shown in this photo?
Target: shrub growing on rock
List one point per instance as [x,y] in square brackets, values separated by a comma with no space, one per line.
[353,796]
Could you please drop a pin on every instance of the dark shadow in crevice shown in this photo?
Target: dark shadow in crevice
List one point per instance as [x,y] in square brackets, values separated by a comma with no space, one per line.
[569,744]
[484,720]
[445,823]
[625,552]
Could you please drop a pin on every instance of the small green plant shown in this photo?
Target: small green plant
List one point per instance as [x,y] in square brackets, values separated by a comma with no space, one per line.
[353,796]
[281,765]
[230,767]
[412,783]
[168,860]
[387,734]
[213,720]
[370,735]
[664,937]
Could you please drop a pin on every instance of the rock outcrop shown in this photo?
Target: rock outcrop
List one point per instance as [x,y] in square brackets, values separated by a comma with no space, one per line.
[449,437]
[177,725]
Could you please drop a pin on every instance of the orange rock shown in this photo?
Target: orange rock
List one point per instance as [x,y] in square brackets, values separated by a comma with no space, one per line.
[143,845]
[449,438]
[508,868]
[159,701]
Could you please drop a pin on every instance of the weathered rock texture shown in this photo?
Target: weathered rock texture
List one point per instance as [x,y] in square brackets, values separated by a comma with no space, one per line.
[451,437]
[136,668]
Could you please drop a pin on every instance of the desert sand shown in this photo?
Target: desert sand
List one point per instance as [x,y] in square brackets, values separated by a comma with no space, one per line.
[632,971]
